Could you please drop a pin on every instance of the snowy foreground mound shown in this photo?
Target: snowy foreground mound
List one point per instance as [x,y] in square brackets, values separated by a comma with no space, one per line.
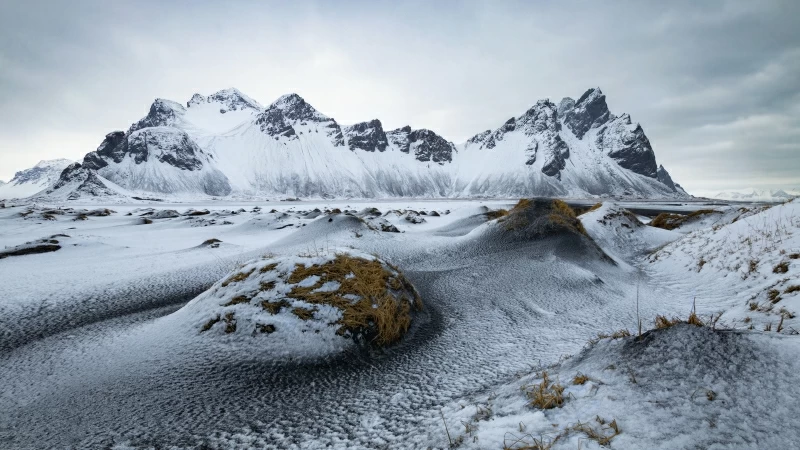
[306,306]
[683,386]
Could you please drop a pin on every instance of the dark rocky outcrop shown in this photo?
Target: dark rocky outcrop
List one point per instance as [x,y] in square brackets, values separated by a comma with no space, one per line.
[588,112]
[366,136]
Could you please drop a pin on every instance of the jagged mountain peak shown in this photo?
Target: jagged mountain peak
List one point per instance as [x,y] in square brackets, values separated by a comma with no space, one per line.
[162,112]
[367,136]
[295,107]
[230,99]
[590,111]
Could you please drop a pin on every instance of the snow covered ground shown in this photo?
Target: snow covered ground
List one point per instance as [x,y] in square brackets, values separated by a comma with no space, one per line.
[94,352]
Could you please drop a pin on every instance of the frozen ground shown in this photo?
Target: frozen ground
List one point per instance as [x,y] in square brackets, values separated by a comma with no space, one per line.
[92,354]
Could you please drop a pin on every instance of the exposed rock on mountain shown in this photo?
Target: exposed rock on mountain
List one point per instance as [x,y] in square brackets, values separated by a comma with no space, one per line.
[628,146]
[589,111]
[367,136]
[424,144]
[30,181]
[227,143]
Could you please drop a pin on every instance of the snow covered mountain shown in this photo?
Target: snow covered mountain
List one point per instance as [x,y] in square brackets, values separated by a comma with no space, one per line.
[227,143]
[31,181]
[759,195]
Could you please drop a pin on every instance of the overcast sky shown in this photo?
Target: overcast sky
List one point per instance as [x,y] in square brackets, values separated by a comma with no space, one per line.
[716,85]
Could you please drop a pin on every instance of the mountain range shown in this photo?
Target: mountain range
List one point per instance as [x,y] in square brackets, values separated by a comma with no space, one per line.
[760,195]
[227,144]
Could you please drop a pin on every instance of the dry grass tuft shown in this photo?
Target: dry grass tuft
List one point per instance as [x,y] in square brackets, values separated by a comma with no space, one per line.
[207,326]
[669,221]
[268,268]
[794,256]
[377,314]
[781,268]
[230,323]
[545,395]
[580,379]
[268,328]
[492,215]
[603,433]
[304,313]
[237,300]
[694,319]
[562,214]
[241,276]
[274,307]
[774,295]
[662,322]
[792,289]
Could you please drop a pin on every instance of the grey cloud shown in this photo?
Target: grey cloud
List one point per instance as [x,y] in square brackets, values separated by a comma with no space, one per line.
[693,73]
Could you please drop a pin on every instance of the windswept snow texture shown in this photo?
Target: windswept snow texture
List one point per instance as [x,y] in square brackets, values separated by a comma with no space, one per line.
[228,144]
[96,352]
[31,181]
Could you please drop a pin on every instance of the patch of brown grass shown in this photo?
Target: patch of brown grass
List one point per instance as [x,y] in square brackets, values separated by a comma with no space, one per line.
[545,395]
[207,326]
[241,276]
[662,322]
[694,319]
[274,307]
[596,206]
[268,268]
[774,295]
[230,323]
[791,289]
[794,256]
[239,299]
[377,314]
[781,268]
[268,328]
[492,215]
[603,433]
[580,379]
[267,285]
[562,214]
[304,313]
[671,221]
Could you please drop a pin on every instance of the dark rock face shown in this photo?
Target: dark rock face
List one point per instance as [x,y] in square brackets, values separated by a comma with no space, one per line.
[565,105]
[366,136]
[168,145]
[665,179]
[162,113]
[90,185]
[177,150]
[427,145]
[281,119]
[232,99]
[479,138]
[628,146]
[589,111]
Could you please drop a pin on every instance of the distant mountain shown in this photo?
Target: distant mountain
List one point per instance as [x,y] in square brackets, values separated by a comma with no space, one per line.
[227,143]
[760,195]
[31,181]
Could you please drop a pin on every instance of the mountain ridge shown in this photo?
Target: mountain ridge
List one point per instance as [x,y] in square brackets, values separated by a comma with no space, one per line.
[227,143]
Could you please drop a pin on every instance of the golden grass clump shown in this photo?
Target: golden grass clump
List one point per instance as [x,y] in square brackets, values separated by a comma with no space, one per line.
[791,289]
[496,214]
[304,313]
[694,319]
[669,221]
[602,434]
[238,300]
[596,206]
[580,379]
[268,268]
[662,322]
[377,314]
[562,214]
[274,307]
[241,276]
[545,395]
[781,268]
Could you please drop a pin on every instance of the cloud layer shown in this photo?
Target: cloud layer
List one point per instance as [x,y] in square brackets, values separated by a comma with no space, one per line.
[714,84]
